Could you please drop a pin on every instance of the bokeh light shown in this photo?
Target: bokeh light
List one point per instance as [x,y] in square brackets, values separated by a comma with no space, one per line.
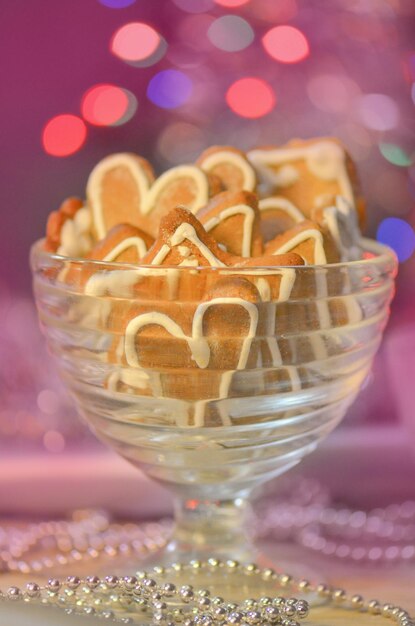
[135,42]
[399,235]
[108,105]
[117,4]
[48,401]
[64,135]
[192,31]
[378,111]
[232,3]
[286,44]
[231,33]
[274,12]
[54,441]
[169,89]
[332,92]
[194,6]
[192,142]
[251,97]
[394,154]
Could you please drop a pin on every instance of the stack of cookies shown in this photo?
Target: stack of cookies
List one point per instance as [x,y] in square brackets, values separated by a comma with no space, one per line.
[218,247]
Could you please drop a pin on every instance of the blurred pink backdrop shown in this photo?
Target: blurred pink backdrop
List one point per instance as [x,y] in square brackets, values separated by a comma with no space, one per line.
[89,77]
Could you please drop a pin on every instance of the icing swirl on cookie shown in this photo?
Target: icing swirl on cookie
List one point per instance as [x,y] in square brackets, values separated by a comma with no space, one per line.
[197,342]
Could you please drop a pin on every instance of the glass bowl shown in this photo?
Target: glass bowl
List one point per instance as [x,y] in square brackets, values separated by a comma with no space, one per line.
[210,389]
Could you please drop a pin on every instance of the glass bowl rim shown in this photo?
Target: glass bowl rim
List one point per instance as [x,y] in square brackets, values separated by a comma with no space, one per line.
[382,254]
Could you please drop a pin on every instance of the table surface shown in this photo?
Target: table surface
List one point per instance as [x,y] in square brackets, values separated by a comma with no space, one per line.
[387,466]
[386,584]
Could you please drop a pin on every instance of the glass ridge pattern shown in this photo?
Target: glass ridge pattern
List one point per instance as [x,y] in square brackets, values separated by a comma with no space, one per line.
[318,343]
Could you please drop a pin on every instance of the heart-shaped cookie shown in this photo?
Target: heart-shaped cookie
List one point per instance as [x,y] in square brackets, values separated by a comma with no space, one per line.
[231,166]
[122,189]
[194,348]
[233,220]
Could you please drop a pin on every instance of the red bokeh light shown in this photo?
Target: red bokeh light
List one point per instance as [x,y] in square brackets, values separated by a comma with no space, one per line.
[135,41]
[64,135]
[251,97]
[104,105]
[286,44]
[231,3]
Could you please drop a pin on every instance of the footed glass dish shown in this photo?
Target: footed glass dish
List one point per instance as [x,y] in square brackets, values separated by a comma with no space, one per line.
[209,392]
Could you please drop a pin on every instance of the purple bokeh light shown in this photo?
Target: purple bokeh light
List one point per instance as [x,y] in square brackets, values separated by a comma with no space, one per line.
[116,4]
[169,89]
[399,235]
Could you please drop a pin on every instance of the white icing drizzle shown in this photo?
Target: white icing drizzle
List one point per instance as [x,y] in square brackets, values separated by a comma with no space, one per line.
[325,159]
[264,289]
[281,204]
[128,242]
[75,235]
[136,378]
[181,171]
[341,222]
[186,232]
[353,309]
[286,175]
[321,302]
[199,413]
[189,262]
[304,235]
[287,278]
[319,346]
[94,185]
[227,156]
[199,349]
[172,277]
[117,283]
[294,377]
[274,349]
[238,209]
[184,251]
[197,342]
[161,254]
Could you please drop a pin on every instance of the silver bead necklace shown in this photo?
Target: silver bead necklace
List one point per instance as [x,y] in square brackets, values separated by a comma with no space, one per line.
[88,536]
[127,600]
[384,535]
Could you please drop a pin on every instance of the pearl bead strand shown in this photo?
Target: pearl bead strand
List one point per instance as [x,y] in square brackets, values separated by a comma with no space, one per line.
[123,599]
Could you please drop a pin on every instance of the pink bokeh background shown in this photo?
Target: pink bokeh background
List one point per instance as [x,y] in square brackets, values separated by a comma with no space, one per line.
[337,68]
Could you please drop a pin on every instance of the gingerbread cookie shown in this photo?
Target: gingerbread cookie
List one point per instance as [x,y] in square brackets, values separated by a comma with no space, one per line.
[68,230]
[182,241]
[277,215]
[232,218]
[192,349]
[231,166]
[309,240]
[123,244]
[305,172]
[122,189]
[340,219]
